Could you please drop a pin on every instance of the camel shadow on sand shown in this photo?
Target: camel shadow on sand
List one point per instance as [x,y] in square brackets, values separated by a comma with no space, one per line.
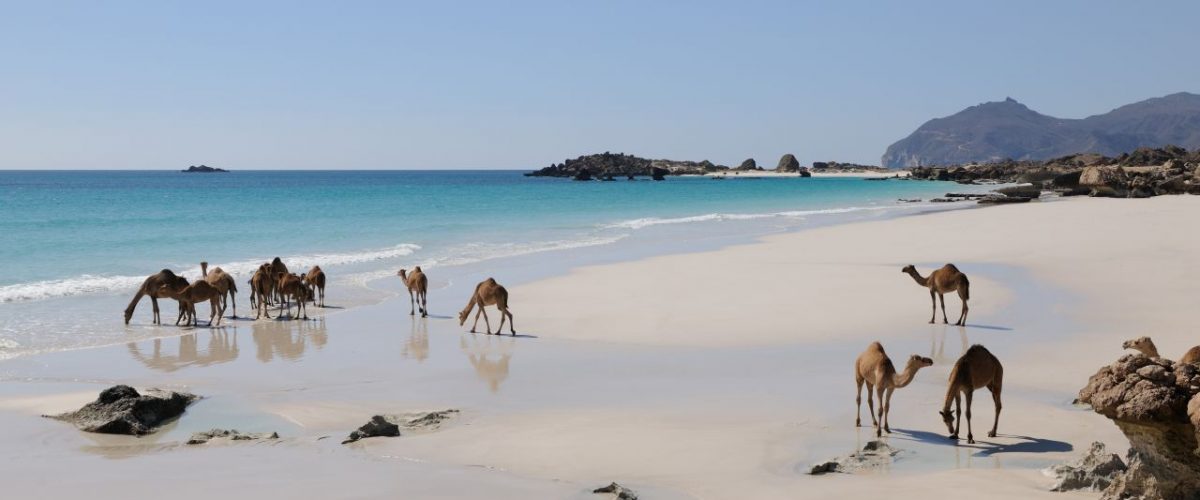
[987,448]
[990,327]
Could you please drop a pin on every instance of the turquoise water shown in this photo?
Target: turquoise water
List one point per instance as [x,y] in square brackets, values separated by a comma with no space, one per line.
[83,238]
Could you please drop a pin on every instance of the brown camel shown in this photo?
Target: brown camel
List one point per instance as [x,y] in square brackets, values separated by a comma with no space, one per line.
[945,280]
[157,286]
[223,282]
[1146,346]
[417,285]
[291,287]
[278,267]
[874,368]
[198,292]
[262,286]
[487,293]
[315,281]
[975,369]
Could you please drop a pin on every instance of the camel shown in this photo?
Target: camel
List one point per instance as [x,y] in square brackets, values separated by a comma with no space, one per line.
[200,291]
[223,282]
[487,293]
[874,368]
[417,285]
[262,286]
[1146,347]
[277,267]
[945,280]
[156,286]
[975,369]
[292,286]
[315,281]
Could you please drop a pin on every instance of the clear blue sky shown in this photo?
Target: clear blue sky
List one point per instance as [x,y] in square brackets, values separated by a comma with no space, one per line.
[248,85]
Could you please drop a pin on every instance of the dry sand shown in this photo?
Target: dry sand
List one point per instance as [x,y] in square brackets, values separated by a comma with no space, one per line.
[720,374]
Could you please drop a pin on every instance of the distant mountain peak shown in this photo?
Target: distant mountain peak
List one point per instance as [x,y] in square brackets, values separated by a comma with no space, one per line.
[1005,129]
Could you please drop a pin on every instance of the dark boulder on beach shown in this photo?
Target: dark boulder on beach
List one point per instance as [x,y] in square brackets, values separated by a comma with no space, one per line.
[230,435]
[121,409]
[748,164]
[390,425]
[378,426]
[618,491]
[788,163]
[659,174]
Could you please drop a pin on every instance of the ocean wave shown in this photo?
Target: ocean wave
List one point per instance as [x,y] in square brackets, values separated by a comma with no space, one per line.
[656,221]
[87,284]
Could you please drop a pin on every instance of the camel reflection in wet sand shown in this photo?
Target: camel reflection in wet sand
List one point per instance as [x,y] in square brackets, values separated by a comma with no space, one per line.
[937,344]
[222,347]
[287,339]
[417,345]
[489,355]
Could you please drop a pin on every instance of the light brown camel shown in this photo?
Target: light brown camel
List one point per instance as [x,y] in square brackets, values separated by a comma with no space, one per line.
[945,280]
[262,286]
[487,293]
[315,281]
[154,287]
[1146,346]
[875,369]
[223,282]
[198,292]
[976,368]
[291,288]
[417,285]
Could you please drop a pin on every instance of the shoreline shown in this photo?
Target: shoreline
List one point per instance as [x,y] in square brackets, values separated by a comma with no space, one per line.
[735,407]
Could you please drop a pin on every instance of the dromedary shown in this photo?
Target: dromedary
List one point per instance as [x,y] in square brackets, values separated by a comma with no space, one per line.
[291,287]
[975,369]
[875,369]
[1146,346]
[154,287]
[945,280]
[417,285]
[487,293]
[262,287]
[277,268]
[315,281]
[223,282]
[198,292]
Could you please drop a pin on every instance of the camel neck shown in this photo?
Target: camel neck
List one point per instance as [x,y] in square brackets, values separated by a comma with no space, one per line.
[917,277]
[906,377]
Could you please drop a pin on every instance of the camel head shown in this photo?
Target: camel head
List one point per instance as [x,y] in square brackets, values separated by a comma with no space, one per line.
[909,269]
[948,419]
[462,318]
[918,362]
[403,274]
[1143,345]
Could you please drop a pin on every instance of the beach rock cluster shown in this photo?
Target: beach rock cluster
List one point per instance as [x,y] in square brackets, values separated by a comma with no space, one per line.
[1094,472]
[619,492]
[390,425]
[874,455]
[748,164]
[788,163]
[1155,404]
[122,409]
[1142,173]
[231,435]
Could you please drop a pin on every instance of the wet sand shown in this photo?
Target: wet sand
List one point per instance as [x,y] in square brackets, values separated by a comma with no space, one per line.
[718,374]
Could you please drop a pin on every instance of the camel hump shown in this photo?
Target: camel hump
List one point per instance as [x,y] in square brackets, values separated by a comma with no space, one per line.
[417,269]
[490,281]
[875,346]
[950,267]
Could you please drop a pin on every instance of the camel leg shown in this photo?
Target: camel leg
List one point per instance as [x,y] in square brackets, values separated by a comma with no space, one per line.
[424,304]
[970,435]
[871,404]
[304,314]
[962,319]
[154,303]
[476,323]
[322,295]
[945,320]
[487,324]
[512,327]
[887,410]
[933,300]
[858,401]
[412,304]
[995,388]
[879,392]
[957,416]
[233,298]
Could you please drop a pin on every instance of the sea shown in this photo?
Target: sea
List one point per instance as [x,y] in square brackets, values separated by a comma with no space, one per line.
[76,245]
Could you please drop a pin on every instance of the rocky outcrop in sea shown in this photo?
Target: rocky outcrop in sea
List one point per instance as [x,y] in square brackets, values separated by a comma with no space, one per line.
[607,164]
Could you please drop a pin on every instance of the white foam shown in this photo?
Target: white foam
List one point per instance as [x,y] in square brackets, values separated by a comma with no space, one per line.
[91,284]
[656,221]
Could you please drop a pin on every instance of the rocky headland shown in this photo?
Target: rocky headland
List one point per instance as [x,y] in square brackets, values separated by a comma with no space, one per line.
[612,166]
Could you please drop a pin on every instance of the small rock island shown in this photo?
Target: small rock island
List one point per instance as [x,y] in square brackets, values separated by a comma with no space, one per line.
[203,169]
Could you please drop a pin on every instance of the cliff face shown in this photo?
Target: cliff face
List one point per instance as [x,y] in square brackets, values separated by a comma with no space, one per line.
[1154,402]
[1007,129]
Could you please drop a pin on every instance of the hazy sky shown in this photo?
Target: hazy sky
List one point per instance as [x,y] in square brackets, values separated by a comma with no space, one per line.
[445,84]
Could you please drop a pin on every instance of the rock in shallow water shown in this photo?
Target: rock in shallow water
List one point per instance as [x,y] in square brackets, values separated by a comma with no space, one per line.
[120,409]
[1094,472]
[618,491]
[389,425]
[230,434]
[874,454]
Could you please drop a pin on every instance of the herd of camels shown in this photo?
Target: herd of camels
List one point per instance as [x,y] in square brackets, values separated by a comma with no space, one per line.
[977,368]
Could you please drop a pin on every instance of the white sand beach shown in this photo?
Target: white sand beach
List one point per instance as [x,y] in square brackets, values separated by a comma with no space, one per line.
[714,374]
